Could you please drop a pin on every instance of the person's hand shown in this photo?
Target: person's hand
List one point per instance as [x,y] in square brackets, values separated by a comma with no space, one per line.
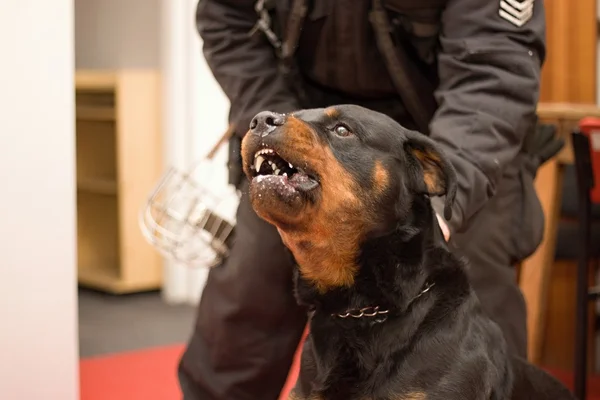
[443,227]
[541,145]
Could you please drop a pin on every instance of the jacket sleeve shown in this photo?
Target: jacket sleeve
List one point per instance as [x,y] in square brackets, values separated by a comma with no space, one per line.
[489,70]
[245,67]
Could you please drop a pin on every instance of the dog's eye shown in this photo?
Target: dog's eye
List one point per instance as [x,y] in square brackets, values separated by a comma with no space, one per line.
[342,130]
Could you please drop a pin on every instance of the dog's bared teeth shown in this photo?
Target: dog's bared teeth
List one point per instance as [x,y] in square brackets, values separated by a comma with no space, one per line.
[258,162]
[265,151]
[285,174]
[290,165]
[277,171]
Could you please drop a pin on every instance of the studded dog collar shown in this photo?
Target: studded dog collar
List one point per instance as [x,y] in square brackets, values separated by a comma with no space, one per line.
[380,315]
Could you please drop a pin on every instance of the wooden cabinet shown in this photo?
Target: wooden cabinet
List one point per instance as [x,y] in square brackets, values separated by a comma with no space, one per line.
[118,163]
[569,73]
[549,285]
[568,92]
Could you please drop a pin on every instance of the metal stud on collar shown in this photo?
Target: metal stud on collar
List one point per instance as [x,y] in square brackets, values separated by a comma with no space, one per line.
[374,311]
[362,312]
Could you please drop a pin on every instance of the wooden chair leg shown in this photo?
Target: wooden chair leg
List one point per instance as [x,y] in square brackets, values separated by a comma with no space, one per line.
[583,302]
[535,271]
[585,181]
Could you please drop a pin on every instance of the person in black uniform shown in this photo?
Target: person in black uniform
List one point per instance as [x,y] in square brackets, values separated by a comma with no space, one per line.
[464,72]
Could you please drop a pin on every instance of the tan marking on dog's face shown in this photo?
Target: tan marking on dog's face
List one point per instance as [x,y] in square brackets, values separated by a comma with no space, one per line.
[432,174]
[327,241]
[324,236]
[332,112]
[381,177]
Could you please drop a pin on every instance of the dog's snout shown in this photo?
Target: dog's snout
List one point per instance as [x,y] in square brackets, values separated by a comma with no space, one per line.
[265,122]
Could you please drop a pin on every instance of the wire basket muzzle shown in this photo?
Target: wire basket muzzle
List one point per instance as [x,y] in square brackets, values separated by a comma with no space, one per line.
[189,217]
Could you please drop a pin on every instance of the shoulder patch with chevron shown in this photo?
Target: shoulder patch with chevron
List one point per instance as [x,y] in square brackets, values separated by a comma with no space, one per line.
[517,12]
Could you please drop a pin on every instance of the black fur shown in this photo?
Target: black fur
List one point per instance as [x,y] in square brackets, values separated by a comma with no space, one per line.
[439,345]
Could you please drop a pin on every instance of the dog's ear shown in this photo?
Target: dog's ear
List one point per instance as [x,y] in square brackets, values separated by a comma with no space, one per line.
[430,172]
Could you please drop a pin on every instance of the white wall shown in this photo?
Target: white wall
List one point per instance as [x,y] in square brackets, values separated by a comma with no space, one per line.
[117,33]
[38,331]
[194,117]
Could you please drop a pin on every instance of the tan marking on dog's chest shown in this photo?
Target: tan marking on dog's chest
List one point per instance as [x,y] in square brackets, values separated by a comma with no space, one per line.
[325,239]
[407,396]
[294,396]
[332,232]
[411,396]
[326,243]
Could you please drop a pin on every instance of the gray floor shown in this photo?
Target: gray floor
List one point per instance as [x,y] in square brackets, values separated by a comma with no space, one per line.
[110,324]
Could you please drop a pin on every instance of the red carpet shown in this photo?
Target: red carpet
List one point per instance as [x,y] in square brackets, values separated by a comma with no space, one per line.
[151,375]
[145,375]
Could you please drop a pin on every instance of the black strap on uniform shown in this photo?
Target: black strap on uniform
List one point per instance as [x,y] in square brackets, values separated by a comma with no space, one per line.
[288,65]
[412,86]
[263,24]
[285,50]
[292,34]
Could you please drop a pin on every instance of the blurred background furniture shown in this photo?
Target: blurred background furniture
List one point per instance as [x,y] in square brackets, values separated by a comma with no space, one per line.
[119,148]
[548,277]
[586,151]
[569,82]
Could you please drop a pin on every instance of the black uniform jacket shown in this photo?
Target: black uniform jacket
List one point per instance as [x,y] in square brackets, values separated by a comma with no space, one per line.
[483,57]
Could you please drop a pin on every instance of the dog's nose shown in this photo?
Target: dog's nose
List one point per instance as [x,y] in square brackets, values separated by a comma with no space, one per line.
[265,122]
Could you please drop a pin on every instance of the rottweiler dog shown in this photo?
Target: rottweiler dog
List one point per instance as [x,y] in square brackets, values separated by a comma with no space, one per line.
[392,313]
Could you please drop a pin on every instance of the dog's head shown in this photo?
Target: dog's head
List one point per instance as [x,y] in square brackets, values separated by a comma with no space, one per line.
[330,178]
